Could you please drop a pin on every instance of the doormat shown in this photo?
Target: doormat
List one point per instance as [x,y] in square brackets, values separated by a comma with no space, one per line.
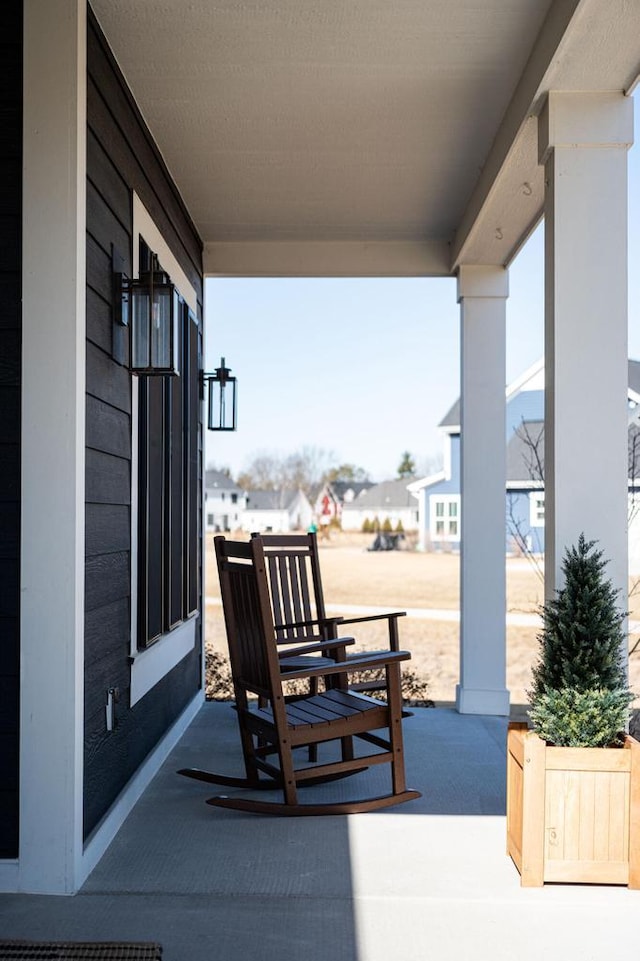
[79,951]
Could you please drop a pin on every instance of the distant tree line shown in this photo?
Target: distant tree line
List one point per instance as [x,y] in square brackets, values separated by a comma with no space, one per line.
[307,469]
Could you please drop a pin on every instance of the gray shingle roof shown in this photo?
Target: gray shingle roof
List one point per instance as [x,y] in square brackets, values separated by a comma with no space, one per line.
[270,500]
[384,496]
[452,417]
[634,376]
[218,480]
[525,452]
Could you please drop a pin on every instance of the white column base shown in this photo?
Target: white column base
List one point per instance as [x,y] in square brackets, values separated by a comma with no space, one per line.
[474,701]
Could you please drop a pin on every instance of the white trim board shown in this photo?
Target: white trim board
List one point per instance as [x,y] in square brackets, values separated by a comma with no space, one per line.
[149,666]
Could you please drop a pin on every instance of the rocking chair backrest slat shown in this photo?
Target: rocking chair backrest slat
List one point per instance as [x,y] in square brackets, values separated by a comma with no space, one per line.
[294,582]
[247,611]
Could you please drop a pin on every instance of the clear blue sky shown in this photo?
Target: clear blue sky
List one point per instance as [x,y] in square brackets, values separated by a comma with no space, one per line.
[367,368]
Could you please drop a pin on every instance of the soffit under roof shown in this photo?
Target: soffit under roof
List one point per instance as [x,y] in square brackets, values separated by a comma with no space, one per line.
[393,122]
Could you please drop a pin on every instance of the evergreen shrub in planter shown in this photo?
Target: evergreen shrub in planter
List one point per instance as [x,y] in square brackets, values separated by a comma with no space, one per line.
[573,782]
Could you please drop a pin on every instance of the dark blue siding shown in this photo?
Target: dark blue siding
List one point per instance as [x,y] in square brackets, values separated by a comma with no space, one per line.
[10,384]
[121,157]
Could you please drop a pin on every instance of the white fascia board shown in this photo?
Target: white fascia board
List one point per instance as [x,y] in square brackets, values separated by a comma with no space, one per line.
[532,372]
[511,161]
[416,486]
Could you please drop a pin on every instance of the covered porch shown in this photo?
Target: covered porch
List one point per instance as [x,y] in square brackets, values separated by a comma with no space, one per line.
[287,139]
[428,878]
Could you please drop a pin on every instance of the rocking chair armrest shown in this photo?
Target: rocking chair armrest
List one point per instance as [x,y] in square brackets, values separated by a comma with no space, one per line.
[341,642]
[367,662]
[374,617]
[391,617]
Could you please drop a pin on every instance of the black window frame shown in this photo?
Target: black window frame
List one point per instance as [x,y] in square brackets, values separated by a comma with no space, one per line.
[168,488]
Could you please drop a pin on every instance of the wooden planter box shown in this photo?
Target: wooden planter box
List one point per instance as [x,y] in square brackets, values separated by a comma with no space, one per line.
[573,814]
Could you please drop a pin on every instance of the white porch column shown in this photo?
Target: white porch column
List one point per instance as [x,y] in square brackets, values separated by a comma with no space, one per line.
[482,293]
[583,141]
[53,405]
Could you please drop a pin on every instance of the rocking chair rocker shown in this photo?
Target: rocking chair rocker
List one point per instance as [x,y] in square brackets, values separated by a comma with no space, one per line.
[288,723]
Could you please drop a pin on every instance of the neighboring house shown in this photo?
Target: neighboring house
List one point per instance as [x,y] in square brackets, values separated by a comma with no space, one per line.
[277,511]
[389,501]
[331,498]
[439,495]
[224,502]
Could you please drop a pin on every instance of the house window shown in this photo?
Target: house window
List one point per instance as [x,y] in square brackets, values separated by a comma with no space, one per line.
[536,509]
[234,498]
[209,520]
[445,517]
[168,416]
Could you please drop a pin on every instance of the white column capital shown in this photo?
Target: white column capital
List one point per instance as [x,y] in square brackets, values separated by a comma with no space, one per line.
[601,119]
[482,281]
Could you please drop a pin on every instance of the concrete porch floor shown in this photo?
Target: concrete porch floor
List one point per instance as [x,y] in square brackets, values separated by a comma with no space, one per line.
[426,879]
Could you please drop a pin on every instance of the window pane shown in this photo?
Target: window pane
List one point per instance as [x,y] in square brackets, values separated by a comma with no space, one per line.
[191,461]
[175,506]
[151,509]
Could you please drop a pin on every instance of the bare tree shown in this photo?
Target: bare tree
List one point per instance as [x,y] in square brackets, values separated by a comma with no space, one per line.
[634,468]
[347,472]
[304,469]
[530,447]
[533,449]
[265,471]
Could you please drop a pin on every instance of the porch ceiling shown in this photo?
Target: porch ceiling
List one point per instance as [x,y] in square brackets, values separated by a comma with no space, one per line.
[361,137]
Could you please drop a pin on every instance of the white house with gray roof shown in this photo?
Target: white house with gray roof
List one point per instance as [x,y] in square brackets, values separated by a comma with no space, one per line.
[224,502]
[390,500]
[277,511]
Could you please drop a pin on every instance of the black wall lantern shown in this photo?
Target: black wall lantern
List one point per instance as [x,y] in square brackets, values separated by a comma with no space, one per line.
[149,307]
[222,398]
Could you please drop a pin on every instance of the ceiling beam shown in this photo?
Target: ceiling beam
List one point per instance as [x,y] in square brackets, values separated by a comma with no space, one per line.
[327,259]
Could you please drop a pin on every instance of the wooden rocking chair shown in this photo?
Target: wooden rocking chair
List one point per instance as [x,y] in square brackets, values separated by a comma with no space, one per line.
[270,735]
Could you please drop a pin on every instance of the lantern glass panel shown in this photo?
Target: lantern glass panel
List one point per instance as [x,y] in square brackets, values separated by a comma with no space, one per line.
[140,332]
[154,330]
[162,327]
[222,404]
